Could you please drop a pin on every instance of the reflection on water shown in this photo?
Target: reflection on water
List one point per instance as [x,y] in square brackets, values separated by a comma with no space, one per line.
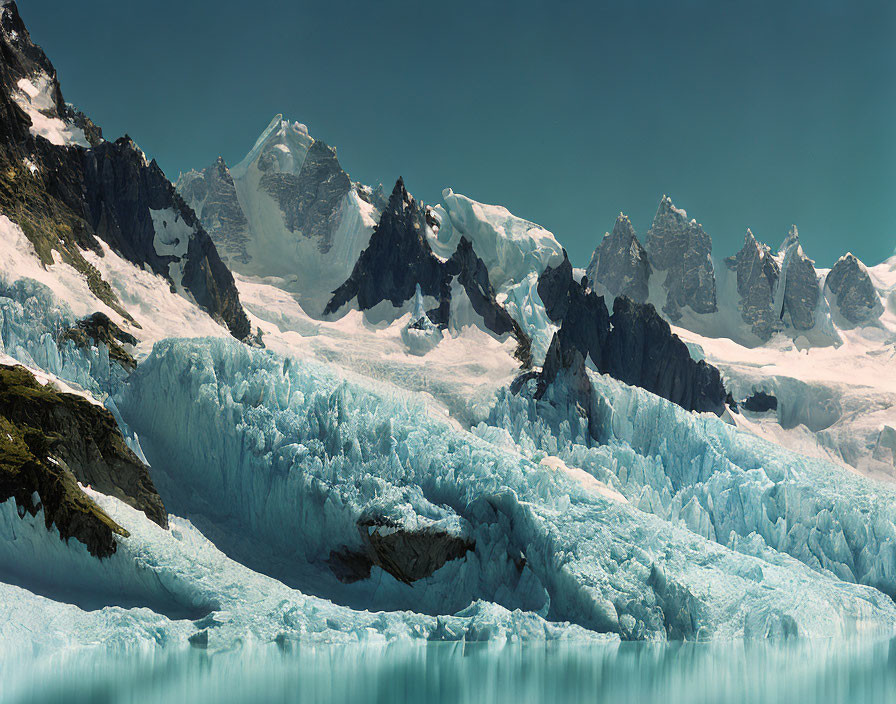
[815,671]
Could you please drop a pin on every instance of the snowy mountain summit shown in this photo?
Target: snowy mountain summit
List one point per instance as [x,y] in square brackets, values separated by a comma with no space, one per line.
[274,407]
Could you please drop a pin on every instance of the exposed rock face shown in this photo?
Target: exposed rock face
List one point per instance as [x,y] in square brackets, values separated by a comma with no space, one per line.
[310,200]
[620,263]
[757,279]
[396,260]
[399,260]
[583,314]
[49,442]
[408,555]
[634,345]
[563,380]
[213,197]
[853,292]
[96,329]
[471,273]
[76,194]
[799,279]
[680,248]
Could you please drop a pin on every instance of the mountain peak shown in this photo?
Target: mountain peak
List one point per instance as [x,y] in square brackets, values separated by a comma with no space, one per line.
[281,147]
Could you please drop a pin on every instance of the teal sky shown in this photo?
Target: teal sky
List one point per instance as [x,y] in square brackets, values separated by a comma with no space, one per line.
[757,114]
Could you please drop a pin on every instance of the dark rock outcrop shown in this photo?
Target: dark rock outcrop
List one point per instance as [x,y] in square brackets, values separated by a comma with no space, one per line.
[760,402]
[49,442]
[408,555]
[853,292]
[212,195]
[399,258]
[680,248]
[96,329]
[757,279]
[634,344]
[75,195]
[620,263]
[800,281]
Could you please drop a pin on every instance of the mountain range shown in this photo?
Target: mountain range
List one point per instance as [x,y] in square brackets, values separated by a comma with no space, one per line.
[270,404]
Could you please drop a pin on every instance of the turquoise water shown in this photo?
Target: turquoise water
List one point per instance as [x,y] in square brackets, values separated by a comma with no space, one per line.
[816,671]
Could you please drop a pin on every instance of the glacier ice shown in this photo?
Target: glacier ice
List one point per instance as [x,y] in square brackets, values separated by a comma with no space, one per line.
[285,456]
[511,247]
[720,482]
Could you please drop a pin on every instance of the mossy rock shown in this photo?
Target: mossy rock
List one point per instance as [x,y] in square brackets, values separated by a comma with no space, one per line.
[49,442]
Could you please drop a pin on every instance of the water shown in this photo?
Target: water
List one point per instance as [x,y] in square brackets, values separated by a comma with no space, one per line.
[761,672]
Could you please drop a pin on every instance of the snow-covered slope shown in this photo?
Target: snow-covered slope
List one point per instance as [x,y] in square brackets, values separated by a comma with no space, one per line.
[511,247]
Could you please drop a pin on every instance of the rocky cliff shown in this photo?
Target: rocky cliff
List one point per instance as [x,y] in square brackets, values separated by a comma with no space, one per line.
[620,264]
[757,278]
[850,289]
[67,187]
[800,292]
[399,258]
[634,344]
[51,441]
[680,249]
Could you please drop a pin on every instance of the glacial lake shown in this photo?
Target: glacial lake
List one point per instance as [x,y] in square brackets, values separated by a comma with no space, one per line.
[762,672]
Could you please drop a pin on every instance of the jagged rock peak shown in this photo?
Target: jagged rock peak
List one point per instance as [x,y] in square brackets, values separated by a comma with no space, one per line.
[757,278]
[681,248]
[852,291]
[793,238]
[634,345]
[399,262]
[281,146]
[397,259]
[212,195]
[620,264]
[799,292]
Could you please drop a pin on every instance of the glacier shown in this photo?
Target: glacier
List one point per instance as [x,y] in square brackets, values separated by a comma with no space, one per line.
[265,449]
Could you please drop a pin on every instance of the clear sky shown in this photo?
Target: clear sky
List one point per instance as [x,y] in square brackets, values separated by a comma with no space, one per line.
[753,113]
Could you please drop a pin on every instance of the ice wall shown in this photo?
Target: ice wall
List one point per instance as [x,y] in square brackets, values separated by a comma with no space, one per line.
[32,321]
[722,483]
[291,456]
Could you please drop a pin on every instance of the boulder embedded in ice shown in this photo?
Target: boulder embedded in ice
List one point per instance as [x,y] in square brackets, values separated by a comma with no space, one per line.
[852,291]
[97,329]
[407,554]
[620,263]
[680,249]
